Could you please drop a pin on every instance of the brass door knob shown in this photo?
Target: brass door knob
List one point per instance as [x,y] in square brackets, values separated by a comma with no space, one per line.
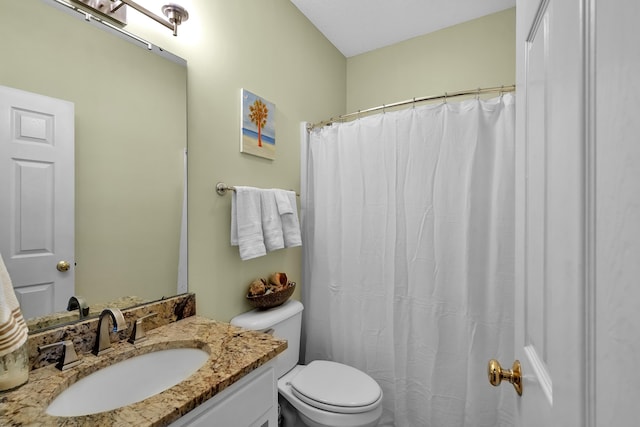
[63,266]
[513,375]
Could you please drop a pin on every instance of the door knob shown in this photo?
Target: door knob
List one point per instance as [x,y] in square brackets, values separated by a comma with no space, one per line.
[63,266]
[513,375]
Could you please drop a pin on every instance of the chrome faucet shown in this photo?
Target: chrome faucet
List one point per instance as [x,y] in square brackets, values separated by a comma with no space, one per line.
[78,303]
[103,342]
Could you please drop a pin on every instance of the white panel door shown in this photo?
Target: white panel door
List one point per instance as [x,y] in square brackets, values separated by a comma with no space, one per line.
[550,213]
[37,193]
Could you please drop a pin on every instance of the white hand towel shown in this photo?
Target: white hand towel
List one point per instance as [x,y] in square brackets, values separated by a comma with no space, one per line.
[271,222]
[282,199]
[13,329]
[246,223]
[288,208]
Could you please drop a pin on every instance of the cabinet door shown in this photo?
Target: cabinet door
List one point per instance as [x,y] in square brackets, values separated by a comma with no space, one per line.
[250,402]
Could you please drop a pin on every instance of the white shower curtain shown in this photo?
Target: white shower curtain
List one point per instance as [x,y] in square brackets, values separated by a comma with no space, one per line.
[408,222]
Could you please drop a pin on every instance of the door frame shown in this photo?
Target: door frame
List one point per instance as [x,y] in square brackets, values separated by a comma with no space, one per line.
[589,207]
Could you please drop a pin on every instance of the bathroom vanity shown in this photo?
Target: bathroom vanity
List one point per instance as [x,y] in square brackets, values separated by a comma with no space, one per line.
[235,386]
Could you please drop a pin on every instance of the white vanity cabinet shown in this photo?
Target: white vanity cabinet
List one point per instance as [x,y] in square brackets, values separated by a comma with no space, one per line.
[252,401]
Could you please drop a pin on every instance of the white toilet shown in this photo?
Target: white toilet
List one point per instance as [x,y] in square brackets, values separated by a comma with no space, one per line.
[323,393]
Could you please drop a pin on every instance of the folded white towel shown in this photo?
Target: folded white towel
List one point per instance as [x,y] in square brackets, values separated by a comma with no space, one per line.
[13,329]
[246,222]
[282,199]
[288,208]
[271,222]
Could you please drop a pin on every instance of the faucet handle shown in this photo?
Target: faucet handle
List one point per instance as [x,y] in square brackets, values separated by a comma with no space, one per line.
[137,333]
[69,357]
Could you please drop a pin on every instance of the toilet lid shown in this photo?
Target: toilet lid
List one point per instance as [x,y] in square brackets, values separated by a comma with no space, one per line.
[336,387]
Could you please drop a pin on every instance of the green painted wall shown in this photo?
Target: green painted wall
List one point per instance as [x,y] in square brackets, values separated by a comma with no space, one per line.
[269,48]
[477,53]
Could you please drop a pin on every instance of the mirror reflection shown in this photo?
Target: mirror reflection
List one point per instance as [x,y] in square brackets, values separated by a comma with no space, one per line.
[130,149]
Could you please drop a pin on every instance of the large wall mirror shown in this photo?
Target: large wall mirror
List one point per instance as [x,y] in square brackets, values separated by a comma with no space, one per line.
[130,144]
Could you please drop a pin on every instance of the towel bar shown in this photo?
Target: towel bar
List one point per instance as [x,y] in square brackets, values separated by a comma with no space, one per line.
[222,188]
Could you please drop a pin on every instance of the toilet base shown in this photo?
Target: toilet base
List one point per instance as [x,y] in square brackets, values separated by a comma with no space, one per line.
[289,415]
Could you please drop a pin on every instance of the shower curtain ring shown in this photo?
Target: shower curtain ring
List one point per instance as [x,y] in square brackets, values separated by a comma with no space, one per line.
[478,94]
[414,103]
[445,98]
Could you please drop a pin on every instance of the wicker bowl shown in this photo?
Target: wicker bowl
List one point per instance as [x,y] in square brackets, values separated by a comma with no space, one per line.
[272,299]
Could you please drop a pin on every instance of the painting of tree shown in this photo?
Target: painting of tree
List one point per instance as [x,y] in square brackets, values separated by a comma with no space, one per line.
[258,113]
[258,133]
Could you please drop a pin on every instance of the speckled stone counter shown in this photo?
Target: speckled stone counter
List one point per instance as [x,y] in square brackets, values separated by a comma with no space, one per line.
[83,333]
[233,353]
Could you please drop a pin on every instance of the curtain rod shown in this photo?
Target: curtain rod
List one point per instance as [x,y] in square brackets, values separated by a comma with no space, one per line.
[477,92]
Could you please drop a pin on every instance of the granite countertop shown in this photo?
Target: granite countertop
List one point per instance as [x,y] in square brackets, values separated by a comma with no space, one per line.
[233,353]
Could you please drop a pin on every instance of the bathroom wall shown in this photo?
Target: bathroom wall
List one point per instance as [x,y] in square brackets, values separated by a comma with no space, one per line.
[271,49]
[477,53]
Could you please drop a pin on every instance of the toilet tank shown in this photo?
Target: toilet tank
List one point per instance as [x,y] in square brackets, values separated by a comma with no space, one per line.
[284,322]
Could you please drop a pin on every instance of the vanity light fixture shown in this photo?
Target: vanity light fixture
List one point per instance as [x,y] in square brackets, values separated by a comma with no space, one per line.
[114,10]
[175,13]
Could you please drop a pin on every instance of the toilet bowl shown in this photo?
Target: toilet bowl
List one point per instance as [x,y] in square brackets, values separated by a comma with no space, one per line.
[323,393]
[320,407]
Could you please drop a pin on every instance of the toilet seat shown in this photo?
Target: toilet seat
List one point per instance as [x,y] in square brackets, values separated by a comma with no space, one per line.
[335,387]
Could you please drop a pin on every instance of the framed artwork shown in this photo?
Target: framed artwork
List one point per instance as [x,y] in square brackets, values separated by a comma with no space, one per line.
[258,126]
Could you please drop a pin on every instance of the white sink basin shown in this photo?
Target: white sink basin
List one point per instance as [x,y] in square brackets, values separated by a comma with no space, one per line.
[128,382]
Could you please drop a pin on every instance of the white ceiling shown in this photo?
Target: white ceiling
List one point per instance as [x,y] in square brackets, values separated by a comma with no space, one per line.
[358,26]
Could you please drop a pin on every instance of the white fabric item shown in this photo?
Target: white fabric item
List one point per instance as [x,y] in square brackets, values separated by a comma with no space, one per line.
[290,222]
[271,222]
[282,199]
[234,220]
[246,222]
[13,329]
[408,263]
